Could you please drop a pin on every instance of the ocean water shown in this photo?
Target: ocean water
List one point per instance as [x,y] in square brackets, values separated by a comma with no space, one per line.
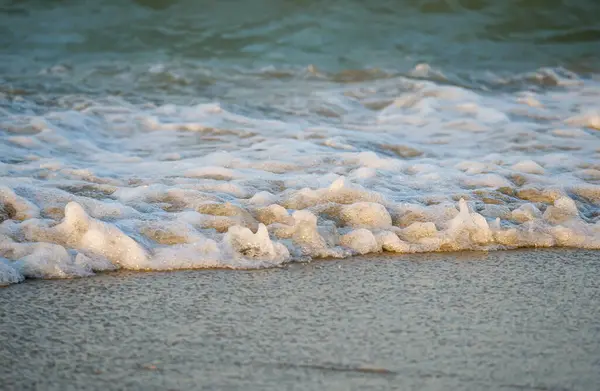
[505,320]
[159,135]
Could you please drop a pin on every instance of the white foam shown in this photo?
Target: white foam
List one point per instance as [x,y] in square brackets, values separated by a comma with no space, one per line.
[528,166]
[203,253]
[468,229]
[8,274]
[17,208]
[361,241]
[365,214]
[78,230]
[212,172]
[526,212]
[486,180]
[564,208]
[274,214]
[590,119]
[243,243]
[263,198]
[418,230]
[44,260]
[314,241]
[93,184]
[389,241]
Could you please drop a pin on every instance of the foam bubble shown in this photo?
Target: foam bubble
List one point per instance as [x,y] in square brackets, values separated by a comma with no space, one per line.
[564,209]
[526,212]
[418,230]
[15,207]
[468,227]
[365,214]
[528,166]
[314,241]
[274,214]
[242,242]
[389,241]
[361,241]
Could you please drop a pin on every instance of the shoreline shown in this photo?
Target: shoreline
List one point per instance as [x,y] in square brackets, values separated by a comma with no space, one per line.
[497,320]
[383,256]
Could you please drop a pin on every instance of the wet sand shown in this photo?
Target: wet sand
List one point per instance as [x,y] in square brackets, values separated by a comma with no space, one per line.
[513,320]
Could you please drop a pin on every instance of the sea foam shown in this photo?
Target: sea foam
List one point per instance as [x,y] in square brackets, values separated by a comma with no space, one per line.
[99,184]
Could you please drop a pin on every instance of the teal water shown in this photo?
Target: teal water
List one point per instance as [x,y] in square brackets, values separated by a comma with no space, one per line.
[463,39]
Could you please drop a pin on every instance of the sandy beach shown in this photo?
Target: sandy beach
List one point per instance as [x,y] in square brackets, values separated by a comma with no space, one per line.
[515,320]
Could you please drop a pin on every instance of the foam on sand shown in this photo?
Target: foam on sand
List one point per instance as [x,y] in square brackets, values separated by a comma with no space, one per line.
[399,165]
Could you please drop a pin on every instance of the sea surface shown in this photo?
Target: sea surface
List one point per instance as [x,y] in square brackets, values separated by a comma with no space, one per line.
[521,320]
[161,135]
